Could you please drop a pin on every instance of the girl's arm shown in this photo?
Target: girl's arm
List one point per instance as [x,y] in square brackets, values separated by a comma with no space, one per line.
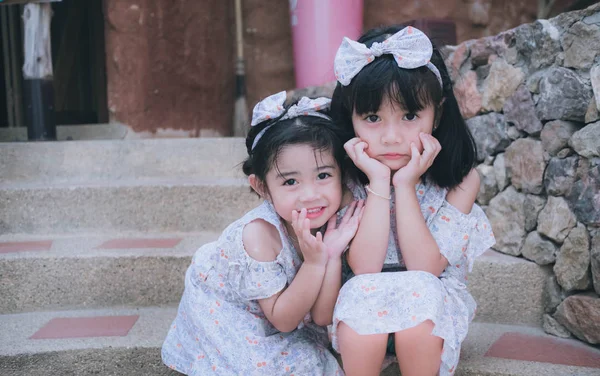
[286,309]
[369,247]
[463,197]
[322,311]
[336,239]
[419,249]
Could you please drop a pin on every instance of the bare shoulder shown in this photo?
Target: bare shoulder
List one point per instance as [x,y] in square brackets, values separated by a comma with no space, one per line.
[261,240]
[463,197]
[471,182]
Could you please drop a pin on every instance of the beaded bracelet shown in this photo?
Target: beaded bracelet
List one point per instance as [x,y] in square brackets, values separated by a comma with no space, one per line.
[377,194]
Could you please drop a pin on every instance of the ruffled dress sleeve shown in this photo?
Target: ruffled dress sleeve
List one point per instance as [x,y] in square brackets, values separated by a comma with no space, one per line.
[253,280]
[461,237]
[358,191]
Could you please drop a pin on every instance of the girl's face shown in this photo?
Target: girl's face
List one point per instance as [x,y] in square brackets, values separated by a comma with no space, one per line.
[305,178]
[390,131]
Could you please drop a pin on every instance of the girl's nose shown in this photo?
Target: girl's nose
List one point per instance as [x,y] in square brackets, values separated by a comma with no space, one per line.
[391,135]
[309,193]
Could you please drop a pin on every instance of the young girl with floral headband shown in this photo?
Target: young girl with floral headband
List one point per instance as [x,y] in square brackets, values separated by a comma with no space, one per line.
[256,300]
[413,158]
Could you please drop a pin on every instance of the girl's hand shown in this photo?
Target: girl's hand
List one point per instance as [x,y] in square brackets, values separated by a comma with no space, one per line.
[375,170]
[312,247]
[419,163]
[336,237]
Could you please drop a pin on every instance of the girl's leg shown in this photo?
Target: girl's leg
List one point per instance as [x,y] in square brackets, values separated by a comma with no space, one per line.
[362,355]
[419,353]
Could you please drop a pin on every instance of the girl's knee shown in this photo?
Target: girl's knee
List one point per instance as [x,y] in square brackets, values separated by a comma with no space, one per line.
[418,339]
[426,325]
[423,329]
[345,331]
[348,339]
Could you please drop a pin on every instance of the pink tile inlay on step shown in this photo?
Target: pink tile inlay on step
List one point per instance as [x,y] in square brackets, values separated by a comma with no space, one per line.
[9,247]
[544,349]
[85,327]
[139,243]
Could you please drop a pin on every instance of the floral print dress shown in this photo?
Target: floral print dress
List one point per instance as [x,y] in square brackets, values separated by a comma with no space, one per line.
[392,301]
[220,328]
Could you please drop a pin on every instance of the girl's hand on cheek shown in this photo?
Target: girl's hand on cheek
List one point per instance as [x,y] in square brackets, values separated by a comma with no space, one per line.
[337,237]
[312,247]
[410,174]
[375,170]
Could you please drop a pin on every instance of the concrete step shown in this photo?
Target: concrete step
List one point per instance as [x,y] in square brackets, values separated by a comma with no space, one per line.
[124,205]
[42,273]
[102,131]
[45,273]
[129,344]
[127,341]
[508,290]
[112,160]
[513,350]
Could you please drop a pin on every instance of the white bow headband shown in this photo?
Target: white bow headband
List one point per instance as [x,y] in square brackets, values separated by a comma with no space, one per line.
[410,47]
[272,107]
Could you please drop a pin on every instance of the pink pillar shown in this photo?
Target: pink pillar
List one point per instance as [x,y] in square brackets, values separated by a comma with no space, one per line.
[318,27]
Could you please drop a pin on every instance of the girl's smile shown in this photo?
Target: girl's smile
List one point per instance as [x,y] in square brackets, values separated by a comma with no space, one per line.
[305,178]
[313,213]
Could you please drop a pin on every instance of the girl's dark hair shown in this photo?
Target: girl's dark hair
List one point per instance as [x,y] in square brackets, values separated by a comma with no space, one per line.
[413,90]
[320,133]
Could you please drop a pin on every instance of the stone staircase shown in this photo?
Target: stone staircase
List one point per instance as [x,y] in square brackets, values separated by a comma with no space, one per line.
[95,238]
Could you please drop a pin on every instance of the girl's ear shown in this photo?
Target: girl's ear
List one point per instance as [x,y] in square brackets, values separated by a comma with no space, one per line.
[257,185]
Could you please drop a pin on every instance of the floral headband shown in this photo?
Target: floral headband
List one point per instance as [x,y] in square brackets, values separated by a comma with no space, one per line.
[410,47]
[272,107]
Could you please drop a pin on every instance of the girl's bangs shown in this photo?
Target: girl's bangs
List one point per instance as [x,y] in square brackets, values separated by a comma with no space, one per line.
[318,135]
[411,90]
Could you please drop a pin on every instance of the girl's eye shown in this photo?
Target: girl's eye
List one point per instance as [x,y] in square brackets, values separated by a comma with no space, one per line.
[323,175]
[372,118]
[410,116]
[290,182]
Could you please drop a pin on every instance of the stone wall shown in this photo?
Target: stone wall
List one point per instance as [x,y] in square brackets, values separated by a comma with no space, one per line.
[531,97]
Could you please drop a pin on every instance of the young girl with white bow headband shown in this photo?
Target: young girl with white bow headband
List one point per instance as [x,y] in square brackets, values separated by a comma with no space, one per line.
[412,160]
[256,300]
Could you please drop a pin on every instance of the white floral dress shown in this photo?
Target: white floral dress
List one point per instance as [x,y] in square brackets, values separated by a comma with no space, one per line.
[220,328]
[392,301]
